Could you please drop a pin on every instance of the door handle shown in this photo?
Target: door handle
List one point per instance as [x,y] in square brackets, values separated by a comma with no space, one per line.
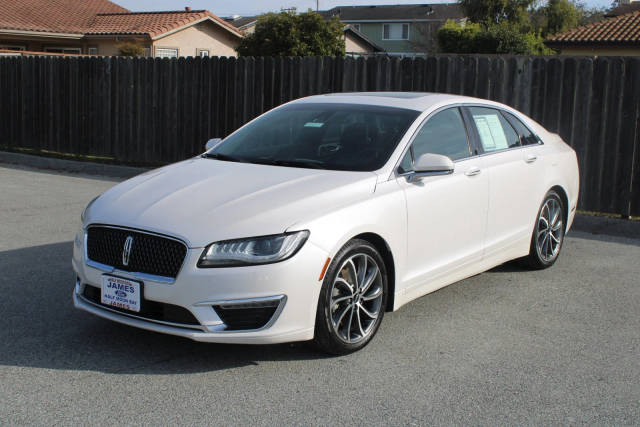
[472,171]
[531,158]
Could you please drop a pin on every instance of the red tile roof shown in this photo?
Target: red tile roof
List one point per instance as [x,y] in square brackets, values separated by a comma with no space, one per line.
[152,23]
[621,30]
[95,17]
[53,16]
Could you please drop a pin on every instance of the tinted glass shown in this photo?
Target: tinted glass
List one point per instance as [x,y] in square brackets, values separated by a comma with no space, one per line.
[406,165]
[324,136]
[444,133]
[495,131]
[526,136]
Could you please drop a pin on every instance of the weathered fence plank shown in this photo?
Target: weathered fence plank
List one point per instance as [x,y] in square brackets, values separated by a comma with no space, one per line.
[155,111]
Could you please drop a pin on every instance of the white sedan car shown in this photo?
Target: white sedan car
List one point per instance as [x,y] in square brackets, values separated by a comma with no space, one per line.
[312,220]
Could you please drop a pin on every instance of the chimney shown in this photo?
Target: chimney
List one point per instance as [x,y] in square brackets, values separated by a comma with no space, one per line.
[187,8]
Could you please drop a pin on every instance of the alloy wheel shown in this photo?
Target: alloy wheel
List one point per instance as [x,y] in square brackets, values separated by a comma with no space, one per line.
[549,231]
[356,298]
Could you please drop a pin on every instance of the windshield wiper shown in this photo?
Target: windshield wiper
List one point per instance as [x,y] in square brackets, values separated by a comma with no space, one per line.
[290,163]
[223,157]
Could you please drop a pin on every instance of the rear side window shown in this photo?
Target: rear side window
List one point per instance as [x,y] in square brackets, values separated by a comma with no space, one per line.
[494,130]
[526,136]
[444,133]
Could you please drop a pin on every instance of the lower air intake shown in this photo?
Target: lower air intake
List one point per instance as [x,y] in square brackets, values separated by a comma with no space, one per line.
[248,315]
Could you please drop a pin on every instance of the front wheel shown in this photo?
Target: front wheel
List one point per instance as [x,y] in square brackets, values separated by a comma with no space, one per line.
[548,233]
[352,300]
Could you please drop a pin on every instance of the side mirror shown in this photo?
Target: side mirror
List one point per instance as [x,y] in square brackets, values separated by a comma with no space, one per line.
[430,164]
[212,143]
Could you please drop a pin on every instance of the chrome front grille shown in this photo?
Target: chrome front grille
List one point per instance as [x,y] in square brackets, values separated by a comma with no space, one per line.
[135,251]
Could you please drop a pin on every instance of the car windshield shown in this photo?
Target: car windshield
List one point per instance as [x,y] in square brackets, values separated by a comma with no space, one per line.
[322,136]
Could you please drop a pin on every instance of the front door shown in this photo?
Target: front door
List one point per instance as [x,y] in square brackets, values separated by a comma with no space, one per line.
[447,214]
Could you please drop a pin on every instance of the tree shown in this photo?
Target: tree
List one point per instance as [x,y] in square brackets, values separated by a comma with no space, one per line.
[589,15]
[130,49]
[490,12]
[288,34]
[561,15]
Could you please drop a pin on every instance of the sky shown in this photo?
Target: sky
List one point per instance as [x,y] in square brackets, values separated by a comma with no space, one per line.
[254,7]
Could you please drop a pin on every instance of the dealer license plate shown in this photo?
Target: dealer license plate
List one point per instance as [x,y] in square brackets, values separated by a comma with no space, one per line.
[121,293]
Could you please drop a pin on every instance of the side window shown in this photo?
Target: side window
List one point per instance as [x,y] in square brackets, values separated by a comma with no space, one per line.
[444,133]
[526,136]
[407,163]
[495,131]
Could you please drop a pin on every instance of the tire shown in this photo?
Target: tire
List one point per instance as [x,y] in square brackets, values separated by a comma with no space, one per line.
[545,243]
[346,321]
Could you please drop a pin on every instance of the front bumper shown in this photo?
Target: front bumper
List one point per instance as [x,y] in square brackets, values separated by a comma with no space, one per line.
[292,283]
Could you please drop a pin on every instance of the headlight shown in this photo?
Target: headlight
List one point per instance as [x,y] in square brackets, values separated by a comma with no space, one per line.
[255,250]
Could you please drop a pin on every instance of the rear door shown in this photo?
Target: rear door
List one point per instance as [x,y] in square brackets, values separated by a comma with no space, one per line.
[511,208]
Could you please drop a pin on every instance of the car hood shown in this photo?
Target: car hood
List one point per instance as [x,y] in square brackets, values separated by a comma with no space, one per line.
[205,200]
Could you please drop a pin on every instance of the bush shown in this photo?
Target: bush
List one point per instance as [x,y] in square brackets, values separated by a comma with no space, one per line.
[455,38]
[130,49]
[288,34]
[502,38]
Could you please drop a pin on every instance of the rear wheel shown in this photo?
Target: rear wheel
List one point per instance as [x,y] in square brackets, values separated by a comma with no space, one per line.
[352,299]
[548,233]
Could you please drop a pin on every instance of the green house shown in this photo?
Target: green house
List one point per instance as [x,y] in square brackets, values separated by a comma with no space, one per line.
[401,30]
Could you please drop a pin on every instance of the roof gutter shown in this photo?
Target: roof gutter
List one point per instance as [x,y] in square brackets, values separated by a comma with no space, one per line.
[391,20]
[74,36]
[592,44]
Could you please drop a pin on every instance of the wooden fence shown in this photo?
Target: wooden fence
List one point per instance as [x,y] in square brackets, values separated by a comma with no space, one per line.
[155,111]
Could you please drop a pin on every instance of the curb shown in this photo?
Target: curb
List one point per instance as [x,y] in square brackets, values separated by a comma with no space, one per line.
[74,166]
[596,225]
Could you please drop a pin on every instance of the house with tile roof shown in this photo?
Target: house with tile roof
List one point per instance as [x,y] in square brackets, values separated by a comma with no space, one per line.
[401,30]
[96,27]
[613,36]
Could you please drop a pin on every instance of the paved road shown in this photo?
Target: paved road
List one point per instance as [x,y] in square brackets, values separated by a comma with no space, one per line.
[560,346]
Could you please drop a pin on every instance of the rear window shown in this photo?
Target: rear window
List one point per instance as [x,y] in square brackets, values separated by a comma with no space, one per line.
[526,136]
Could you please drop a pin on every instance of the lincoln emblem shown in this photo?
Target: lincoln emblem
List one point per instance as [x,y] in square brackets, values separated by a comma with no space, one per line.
[126,252]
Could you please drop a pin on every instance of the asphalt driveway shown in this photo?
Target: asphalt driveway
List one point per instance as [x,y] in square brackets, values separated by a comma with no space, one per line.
[560,346]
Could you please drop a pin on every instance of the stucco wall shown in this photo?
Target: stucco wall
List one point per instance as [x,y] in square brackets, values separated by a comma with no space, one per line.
[38,44]
[601,51]
[106,46]
[205,35]
[355,45]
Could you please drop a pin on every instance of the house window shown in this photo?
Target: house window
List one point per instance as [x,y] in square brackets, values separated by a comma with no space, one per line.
[147,52]
[395,31]
[65,50]
[163,52]
[93,51]
[202,53]
[356,27]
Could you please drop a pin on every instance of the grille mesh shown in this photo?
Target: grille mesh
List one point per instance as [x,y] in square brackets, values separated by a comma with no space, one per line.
[149,253]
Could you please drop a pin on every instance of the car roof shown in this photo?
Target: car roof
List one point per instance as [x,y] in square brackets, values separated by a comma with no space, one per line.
[419,101]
